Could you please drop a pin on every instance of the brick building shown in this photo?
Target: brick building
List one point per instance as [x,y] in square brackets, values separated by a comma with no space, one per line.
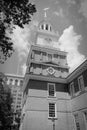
[15,83]
[52,98]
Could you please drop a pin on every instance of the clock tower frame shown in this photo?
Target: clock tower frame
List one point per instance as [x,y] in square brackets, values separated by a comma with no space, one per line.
[45,82]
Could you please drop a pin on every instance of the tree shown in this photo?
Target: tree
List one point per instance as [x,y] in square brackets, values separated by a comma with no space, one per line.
[18,118]
[12,12]
[6,112]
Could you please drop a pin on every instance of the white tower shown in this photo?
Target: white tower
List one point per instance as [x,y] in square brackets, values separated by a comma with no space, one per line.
[44,80]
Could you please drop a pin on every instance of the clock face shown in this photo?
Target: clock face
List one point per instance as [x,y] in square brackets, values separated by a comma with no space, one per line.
[47,41]
[50,70]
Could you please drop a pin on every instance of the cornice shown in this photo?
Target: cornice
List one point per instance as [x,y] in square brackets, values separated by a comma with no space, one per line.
[14,76]
[48,64]
[45,78]
[50,34]
[42,78]
[79,70]
[45,49]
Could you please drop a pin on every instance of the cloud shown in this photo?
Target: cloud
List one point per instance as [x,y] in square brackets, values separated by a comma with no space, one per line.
[22,39]
[23,68]
[59,13]
[69,42]
[71,1]
[83,9]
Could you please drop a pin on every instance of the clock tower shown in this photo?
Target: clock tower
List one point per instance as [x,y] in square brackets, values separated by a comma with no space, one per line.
[45,81]
[46,36]
[45,58]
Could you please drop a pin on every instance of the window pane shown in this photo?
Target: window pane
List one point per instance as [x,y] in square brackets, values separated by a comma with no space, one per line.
[77,122]
[72,89]
[81,82]
[85,115]
[51,109]
[16,82]
[51,89]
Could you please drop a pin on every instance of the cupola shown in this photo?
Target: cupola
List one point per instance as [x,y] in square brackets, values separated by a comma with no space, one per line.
[45,26]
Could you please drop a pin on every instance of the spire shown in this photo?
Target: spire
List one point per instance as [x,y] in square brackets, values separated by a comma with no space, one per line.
[45,12]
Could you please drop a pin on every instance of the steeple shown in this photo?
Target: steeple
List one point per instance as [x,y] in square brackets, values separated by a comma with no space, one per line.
[45,12]
[45,24]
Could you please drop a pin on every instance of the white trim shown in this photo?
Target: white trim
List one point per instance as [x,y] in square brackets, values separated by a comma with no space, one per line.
[53,64]
[14,76]
[85,88]
[45,78]
[77,93]
[72,91]
[81,85]
[81,68]
[41,78]
[55,111]
[85,121]
[77,120]
[48,50]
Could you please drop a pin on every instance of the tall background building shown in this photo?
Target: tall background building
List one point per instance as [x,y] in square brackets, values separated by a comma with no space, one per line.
[15,83]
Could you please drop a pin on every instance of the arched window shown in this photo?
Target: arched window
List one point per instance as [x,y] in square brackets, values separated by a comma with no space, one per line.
[11,81]
[46,26]
[16,82]
[21,82]
[42,26]
[50,28]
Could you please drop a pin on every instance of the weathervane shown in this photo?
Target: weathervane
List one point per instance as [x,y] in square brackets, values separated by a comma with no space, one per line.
[45,13]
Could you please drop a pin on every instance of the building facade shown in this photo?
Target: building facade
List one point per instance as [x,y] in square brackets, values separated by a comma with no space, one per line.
[46,95]
[77,82]
[15,83]
[52,98]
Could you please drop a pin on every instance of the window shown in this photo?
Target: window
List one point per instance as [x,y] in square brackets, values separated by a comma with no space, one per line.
[85,113]
[51,89]
[55,55]
[14,94]
[49,57]
[81,83]
[14,91]
[19,98]
[19,102]
[16,82]
[50,28]
[72,89]
[11,81]
[42,27]
[77,122]
[52,110]
[19,94]
[32,55]
[21,82]
[46,27]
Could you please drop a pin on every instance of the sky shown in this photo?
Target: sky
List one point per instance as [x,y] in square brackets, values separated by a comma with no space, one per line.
[68,17]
